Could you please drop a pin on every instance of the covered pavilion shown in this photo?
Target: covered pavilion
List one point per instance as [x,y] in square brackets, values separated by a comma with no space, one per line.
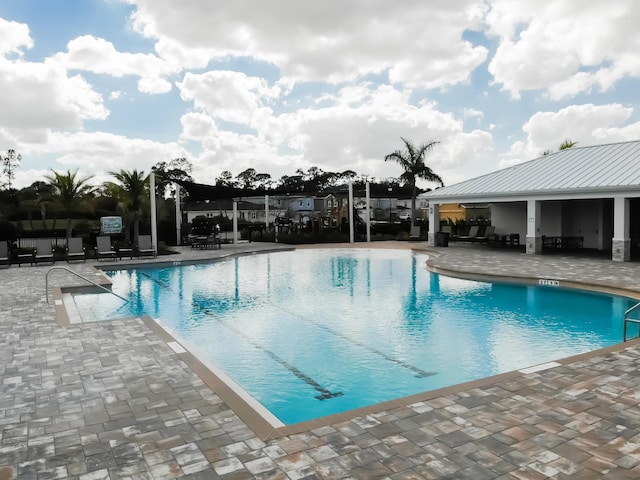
[590,194]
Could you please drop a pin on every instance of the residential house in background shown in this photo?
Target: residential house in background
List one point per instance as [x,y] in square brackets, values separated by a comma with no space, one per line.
[328,210]
[247,210]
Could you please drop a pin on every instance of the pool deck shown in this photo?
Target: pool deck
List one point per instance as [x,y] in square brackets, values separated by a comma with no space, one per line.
[113,400]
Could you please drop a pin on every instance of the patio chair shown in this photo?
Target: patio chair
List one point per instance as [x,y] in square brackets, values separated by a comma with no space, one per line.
[473,234]
[4,253]
[104,248]
[414,233]
[214,241]
[489,231]
[44,251]
[145,246]
[75,250]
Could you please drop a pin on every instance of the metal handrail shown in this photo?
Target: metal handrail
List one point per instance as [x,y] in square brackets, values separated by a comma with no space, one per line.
[46,282]
[629,310]
[627,320]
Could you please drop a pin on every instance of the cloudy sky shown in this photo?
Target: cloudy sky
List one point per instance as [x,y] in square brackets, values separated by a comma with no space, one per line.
[104,85]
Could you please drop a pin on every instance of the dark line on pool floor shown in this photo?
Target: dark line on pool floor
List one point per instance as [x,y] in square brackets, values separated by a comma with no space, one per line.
[419,373]
[325,393]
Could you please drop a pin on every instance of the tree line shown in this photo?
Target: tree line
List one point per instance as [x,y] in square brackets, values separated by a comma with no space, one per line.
[68,195]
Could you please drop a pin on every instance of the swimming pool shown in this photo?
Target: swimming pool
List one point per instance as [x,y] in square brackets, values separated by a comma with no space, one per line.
[310,333]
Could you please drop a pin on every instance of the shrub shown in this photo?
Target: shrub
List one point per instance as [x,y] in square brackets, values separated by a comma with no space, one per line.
[8,231]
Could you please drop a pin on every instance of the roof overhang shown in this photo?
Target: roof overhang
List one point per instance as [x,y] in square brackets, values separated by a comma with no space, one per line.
[544,195]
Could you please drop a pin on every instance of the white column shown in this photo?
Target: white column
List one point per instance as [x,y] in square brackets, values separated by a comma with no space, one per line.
[534,239]
[178,216]
[621,242]
[367,195]
[351,231]
[266,211]
[235,221]
[154,221]
[434,223]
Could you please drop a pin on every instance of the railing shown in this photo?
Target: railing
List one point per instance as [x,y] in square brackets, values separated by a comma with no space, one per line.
[630,320]
[46,282]
[28,242]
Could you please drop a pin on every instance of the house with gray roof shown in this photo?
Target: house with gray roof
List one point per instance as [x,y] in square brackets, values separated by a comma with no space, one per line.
[586,193]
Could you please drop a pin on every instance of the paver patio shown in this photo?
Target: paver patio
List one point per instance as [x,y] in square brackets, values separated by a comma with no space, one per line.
[111,400]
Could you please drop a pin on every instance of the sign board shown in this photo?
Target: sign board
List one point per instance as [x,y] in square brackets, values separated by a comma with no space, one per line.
[109,225]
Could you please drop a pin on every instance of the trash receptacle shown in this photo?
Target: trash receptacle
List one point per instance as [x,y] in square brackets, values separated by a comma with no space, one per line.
[442,239]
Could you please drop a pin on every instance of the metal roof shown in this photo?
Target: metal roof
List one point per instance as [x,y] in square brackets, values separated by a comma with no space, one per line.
[610,167]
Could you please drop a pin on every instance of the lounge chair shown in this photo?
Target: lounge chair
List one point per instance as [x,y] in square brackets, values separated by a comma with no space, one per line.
[214,241]
[104,248]
[44,251]
[145,247]
[473,234]
[75,250]
[4,253]
[488,233]
[124,250]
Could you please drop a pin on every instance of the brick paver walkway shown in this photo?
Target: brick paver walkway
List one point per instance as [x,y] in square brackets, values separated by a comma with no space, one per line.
[111,400]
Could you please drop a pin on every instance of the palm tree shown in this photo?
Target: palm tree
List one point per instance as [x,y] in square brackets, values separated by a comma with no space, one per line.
[70,193]
[132,193]
[411,159]
[568,143]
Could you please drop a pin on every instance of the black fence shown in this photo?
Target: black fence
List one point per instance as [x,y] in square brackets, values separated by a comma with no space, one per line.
[26,242]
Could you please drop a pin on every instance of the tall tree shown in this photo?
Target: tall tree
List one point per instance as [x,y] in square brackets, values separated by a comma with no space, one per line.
[168,172]
[10,162]
[70,193]
[132,193]
[411,159]
[247,178]
[225,179]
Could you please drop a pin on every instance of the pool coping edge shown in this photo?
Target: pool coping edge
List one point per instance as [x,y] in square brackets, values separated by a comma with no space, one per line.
[266,430]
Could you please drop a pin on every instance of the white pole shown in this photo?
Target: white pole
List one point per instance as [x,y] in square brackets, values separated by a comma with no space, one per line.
[178,216]
[351,240]
[266,211]
[368,212]
[154,222]
[235,222]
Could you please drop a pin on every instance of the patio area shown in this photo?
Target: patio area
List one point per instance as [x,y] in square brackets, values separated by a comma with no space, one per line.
[112,400]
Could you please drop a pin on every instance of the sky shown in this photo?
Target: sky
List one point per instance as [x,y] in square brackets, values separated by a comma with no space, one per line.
[97,86]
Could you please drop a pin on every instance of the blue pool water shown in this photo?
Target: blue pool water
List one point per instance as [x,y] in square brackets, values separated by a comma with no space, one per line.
[309,333]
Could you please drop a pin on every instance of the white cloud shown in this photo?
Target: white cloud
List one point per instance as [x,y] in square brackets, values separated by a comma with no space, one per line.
[351,130]
[229,96]
[418,44]
[586,124]
[154,85]
[99,152]
[98,55]
[37,95]
[197,126]
[329,84]
[14,37]
[562,47]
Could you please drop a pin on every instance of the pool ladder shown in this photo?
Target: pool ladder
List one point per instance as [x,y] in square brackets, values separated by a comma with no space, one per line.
[46,282]
[628,320]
